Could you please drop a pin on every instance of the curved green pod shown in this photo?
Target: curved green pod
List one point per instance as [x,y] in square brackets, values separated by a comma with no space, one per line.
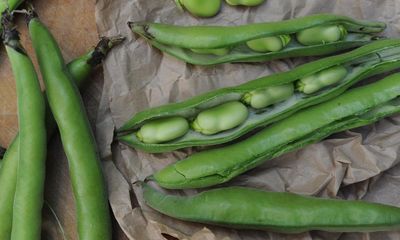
[179,40]
[354,108]
[248,3]
[200,8]
[375,58]
[248,208]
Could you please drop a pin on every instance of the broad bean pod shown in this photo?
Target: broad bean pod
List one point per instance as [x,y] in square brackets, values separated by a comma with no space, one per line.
[248,208]
[197,44]
[356,107]
[80,70]
[93,217]
[372,59]
[27,215]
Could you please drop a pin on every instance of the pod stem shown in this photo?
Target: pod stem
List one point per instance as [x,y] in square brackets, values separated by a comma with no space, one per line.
[141,28]
[103,47]
[10,34]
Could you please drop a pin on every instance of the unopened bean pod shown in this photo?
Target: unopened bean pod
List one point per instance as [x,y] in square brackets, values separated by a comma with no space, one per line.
[80,69]
[268,99]
[248,208]
[354,108]
[312,35]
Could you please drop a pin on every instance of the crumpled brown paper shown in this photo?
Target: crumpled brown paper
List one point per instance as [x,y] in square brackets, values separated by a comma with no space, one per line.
[358,164]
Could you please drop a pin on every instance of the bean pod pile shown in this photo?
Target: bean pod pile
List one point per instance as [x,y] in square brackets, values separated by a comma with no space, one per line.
[247,124]
[265,118]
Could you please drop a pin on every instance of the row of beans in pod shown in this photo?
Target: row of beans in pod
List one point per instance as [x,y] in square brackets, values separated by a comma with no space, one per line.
[312,35]
[225,114]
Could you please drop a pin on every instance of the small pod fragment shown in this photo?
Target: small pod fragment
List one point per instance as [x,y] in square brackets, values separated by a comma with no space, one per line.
[335,33]
[200,8]
[354,108]
[281,102]
[163,130]
[269,44]
[313,83]
[321,35]
[248,3]
[220,118]
[268,96]
[248,208]
[217,51]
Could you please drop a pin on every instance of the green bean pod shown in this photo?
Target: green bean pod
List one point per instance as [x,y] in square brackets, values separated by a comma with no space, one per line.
[80,70]
[78,141]
[27,215]
[248,208]
[200,8]
[248,3]
[179,41]
[357,107]
[372,59]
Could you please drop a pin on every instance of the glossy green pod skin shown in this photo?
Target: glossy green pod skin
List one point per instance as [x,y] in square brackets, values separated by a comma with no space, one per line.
[375,58]
[80,70]
[356,107]
[179,40]
[163,130]
[262,98]
[220,118]
[200,8]
[321,35]
[92,210]
[313,83]
[248,208]
[247,3]
[217,51]
[27,214]
[269,44]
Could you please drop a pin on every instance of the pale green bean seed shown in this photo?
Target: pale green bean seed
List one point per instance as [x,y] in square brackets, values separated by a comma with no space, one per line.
[216,51]
[163,130]
[324,78]
[269,44]
[268,96]
[201,8]
[248,3]
[321,35]
[220,118]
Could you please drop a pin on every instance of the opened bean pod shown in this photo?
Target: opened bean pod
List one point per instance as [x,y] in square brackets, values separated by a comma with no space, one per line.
[248,208]
[312,35]
[354,108]
[220,116]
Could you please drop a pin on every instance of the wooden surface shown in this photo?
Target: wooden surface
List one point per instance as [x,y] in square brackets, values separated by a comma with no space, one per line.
[73,25]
